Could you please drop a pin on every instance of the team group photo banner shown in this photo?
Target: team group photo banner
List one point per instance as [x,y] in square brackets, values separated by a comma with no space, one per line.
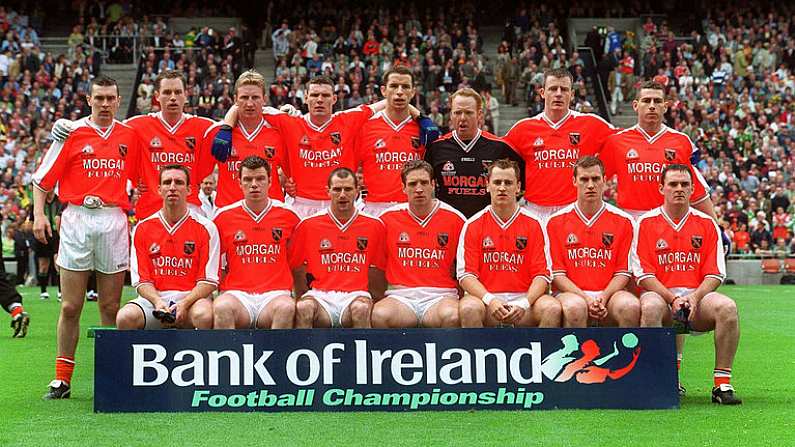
[384,370]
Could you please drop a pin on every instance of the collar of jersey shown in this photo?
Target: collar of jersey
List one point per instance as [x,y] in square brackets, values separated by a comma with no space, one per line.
[104,135]
[594,218]
[346,225]
[172,229]
[424,222]
[466,146]
[255,216]
[255,132]
[675,226]
[319,128]
[395,127]
[506,224]
[559,123]
[652,138]
[169,128]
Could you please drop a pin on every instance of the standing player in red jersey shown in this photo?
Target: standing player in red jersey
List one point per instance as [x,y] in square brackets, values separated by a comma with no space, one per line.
[174,261]
[91,169]
[460,159]
[552,142]
[679,262]
[254,235]
[344,251]
[590,245]
[388,140]
[637,156]
[503,260]
[421,243]
[253,135]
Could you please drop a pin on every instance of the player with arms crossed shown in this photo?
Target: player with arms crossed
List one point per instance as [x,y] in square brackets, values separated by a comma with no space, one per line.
[91,169]
[254,235]
[339,247]
[174,262]
[421,243]
[552,142]
[503,260]
[590,244]
[460,159]
[679,263]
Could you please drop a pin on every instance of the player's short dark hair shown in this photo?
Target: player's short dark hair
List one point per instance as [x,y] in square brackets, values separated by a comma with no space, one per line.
[557,73]
[174,167]
[320,80]
[342,173]
[589,161]
[650,85]
[676,167]
[506,163]
[415,165]
[103,81]
[169,74]
[254,162]
[397,69]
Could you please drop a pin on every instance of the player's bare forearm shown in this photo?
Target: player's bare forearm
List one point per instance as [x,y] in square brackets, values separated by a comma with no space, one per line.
[707,285]
[377,283]
[39,199]
[414,112]
[149,293]
[378,106]
[652,284]
[564,284]
[230,118]
[538,287]
[707,207]
[200,290]
[473,286]
[619,282]
[299,281]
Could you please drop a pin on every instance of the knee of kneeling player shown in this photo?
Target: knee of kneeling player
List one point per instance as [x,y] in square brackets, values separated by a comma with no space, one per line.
[127,319]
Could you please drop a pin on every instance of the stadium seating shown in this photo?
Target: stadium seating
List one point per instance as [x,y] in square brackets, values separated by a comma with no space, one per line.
[771,266]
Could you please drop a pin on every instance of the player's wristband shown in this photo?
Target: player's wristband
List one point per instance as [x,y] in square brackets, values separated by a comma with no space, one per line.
[488,298]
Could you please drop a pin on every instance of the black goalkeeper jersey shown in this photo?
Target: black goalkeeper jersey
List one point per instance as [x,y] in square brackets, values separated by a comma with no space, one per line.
[460,168]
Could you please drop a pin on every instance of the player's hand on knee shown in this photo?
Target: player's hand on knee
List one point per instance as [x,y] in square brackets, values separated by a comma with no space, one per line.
[515,314]
[498,309]
[289,187]
[181,313]
[61,130]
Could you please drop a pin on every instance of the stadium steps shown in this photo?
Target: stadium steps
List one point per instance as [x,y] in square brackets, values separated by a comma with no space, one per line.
[221,25]
[55,45]
[492,36]
[124,74]
[626,117]
[265,65]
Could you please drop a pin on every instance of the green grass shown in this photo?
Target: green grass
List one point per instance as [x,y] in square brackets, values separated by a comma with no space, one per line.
[763,376]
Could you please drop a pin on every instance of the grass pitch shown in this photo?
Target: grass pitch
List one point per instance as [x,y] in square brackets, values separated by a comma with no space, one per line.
[763,376]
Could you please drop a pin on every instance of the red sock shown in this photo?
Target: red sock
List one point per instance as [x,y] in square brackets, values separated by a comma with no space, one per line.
[16,311]
[721,376]
[64,366]
[678,362]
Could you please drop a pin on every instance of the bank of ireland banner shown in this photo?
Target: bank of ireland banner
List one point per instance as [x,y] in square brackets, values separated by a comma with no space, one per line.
[384,370]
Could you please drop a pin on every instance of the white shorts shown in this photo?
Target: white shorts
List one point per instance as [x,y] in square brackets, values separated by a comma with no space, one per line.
[169,297]
[375,209]
[541,212]
[680,291]
[514,299]
[306,207]
[335,303]
[255,303]
[94,239]
[420,299]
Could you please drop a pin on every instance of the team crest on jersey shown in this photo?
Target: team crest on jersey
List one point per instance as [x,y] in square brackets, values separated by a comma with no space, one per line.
[189,247]
[670,154]
[154,250]
[696,241]
[574,138]
[380,143]
[325,244]
[538,142]
[123,150]
[488,243]
[403,238]
[415,142]
[276,234]
[661,244]
[442,239]
[304,141]
[361,243]
[191,143]
[270,151]
[571,239]
[335,137]
[87,151]
[521,242]
[155,142]
[632,154]
[607,239]
[240,237]
[448,167]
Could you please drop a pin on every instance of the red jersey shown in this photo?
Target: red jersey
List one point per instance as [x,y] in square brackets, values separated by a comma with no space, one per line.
[167,145]
[94,162]
[590,251]
[550,151]
[503,256]
[263,141]
[174,257]
[339,254]
[678,254]
[315,151]
[421,252]
[637,159]
[382,147]
[254,246]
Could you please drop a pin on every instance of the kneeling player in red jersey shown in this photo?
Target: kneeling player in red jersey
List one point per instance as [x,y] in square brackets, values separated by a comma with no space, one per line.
[173,262]
[339,247]
[503,261]
[590,244]
[680,265]
[421,242]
